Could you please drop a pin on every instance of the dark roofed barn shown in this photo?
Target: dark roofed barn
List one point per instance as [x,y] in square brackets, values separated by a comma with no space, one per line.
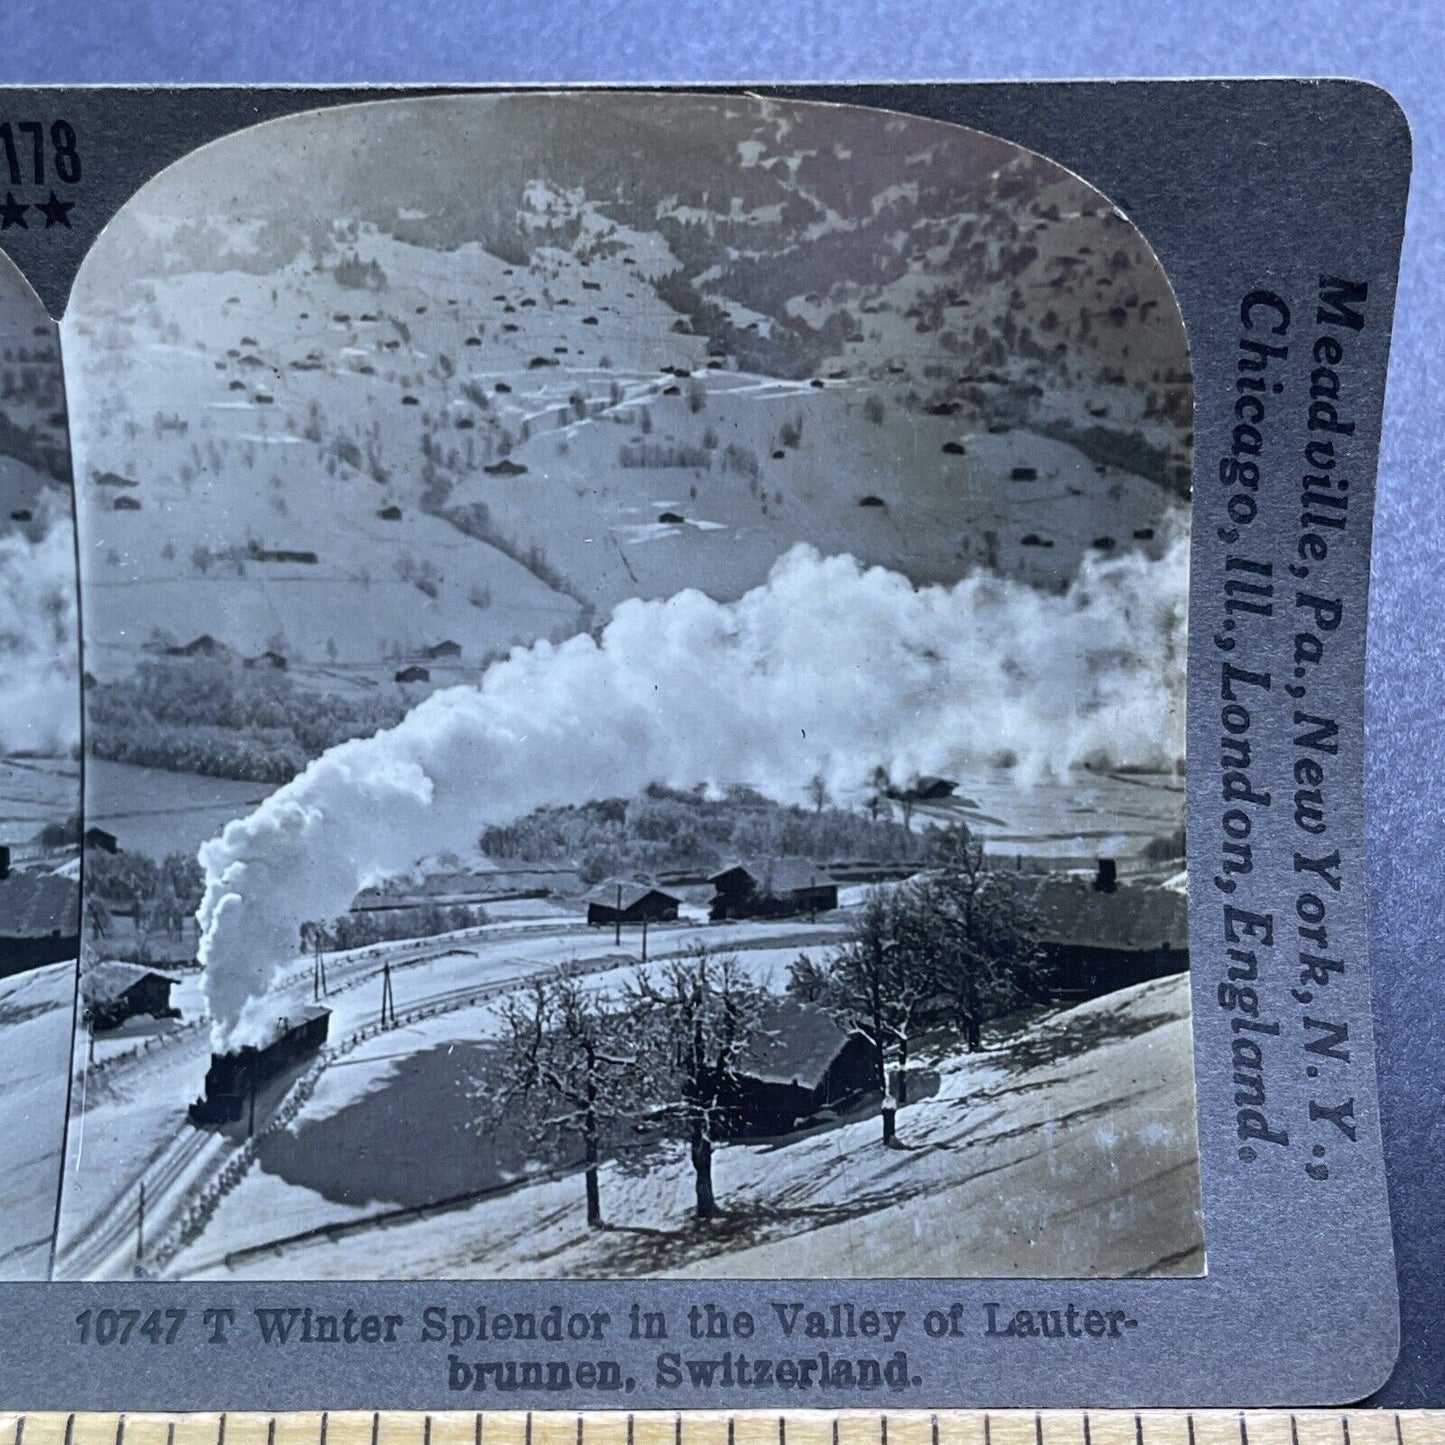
[799,1061]
[777,888]
[1096,940]
[100,838]
[114,992]
[624,900]
[447,648]
[39,920]
[413,674]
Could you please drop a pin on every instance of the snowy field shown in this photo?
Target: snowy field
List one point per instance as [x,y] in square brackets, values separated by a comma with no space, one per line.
[35,791]
[1066,1150]
[35,1016]
[129,1122]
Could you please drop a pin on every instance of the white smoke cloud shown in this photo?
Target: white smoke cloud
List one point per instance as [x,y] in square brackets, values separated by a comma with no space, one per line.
[827,668]
[39,699]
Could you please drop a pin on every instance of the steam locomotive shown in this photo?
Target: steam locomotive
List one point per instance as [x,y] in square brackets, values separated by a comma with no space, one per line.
[234,1076]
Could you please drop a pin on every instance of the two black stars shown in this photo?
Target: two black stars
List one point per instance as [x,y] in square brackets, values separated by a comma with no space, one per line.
[55,211]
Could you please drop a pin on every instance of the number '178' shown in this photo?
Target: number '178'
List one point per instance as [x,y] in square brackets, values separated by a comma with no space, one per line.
[25,151]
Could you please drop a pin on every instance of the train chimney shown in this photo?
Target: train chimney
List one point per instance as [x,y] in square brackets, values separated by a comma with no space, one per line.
[1107,879]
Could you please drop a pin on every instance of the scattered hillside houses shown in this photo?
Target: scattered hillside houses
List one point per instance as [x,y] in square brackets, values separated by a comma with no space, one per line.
[1099,935]
[775,888]
[413,673]
[39,919]
[113,992]
[626,900]
[799,1061]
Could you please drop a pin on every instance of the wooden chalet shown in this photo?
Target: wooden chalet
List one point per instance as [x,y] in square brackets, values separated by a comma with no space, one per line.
[625,900]
[39,920]
[798,1062]
[1099,934]
[775,888]
[114,992]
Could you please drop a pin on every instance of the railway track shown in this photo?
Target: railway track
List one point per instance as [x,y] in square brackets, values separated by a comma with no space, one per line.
[92,1250]
[102,1245]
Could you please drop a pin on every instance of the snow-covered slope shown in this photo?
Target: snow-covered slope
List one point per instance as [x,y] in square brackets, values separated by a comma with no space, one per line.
[1067,1149]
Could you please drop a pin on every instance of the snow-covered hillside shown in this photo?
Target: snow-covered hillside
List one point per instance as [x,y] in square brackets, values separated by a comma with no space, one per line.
[492,415]
[1066,1149]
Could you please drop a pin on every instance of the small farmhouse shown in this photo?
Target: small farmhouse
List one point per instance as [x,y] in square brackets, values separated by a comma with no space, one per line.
[269,661]
[777,888]
[445,649]
[625,900]
[1099,934]
[413,674]
[107,842]
[799,1061]
[39,919]
[114,992]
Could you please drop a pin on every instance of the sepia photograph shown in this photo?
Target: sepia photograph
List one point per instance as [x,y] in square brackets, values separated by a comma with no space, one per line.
[633,682]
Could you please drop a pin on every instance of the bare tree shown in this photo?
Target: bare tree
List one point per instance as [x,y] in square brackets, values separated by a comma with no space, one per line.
[572,1072]
[818,793]
[701,1013]
[883,979]
[987,933]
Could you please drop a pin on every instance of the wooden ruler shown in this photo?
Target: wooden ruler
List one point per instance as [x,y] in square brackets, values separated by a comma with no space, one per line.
[749,1427]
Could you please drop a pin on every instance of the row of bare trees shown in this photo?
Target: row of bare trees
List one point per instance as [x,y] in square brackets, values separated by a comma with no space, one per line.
[659,1059]
[614,1071]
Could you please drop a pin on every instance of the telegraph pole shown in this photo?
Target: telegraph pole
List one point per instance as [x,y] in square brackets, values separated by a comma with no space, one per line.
[644,938]
[388,1002]
[140,1227]
[318,970]
[617,920]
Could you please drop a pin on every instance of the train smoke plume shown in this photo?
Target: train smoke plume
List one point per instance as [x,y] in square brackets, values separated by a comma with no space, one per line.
[826,668]
[39,699]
